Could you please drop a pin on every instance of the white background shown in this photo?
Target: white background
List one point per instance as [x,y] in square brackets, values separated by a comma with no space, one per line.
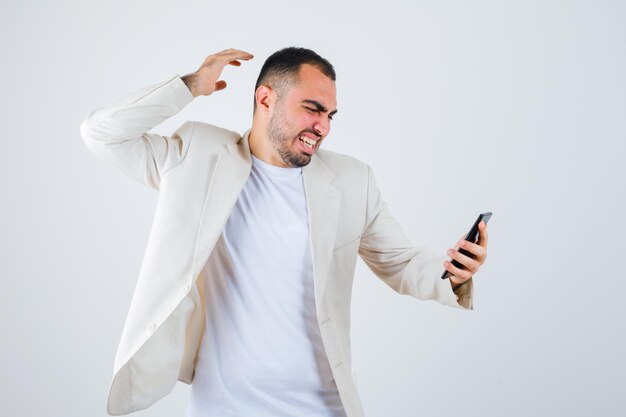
[515,107]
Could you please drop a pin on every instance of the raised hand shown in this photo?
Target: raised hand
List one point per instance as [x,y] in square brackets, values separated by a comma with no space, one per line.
[205,80]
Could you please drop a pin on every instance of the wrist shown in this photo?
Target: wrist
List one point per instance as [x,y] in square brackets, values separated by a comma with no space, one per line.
[455,285]
[190,81]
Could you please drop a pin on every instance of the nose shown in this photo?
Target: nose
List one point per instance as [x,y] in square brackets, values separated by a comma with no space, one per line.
[322,127]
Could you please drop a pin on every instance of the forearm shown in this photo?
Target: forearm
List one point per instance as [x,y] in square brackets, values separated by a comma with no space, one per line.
[118,133]
[135,113]
[406,268]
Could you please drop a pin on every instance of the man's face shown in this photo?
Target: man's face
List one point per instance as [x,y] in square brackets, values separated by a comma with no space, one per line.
[301,118]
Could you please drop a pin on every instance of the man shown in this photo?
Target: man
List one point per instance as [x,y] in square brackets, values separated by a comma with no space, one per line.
[244,290]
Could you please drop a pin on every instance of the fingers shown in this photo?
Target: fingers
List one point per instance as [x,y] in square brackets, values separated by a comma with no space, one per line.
[220,85]
[232,54]
[461,238]
[483,236]
[227,56]
[479,252]
[472,261]
[470,264]
[206,78]
[457,275]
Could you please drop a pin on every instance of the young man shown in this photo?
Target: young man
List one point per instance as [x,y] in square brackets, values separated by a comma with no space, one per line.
[245,287]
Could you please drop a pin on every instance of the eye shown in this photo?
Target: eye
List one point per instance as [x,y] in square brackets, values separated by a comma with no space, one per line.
[316,111]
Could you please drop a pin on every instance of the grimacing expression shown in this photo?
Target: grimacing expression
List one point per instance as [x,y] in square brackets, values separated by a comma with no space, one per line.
[301,116]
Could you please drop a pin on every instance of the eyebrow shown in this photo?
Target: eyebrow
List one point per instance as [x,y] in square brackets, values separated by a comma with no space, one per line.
[319,106]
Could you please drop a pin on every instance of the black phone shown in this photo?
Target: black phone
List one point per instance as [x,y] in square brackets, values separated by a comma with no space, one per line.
[472,236]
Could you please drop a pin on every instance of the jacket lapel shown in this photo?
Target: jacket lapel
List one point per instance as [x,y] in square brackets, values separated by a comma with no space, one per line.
[227,178]
[323,211]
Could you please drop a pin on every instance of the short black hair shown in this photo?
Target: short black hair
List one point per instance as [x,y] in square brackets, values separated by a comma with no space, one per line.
[281,68]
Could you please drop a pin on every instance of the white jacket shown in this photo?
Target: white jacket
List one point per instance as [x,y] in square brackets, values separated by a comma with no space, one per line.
[199,172]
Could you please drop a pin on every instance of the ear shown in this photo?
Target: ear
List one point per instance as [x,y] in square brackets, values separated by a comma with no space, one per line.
[265,98]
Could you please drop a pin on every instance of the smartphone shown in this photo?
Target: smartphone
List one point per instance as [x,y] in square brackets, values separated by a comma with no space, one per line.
[472,236]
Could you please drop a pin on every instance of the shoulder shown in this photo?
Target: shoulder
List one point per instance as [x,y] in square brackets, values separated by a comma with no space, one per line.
[351,176]
[217,135]
[342,164]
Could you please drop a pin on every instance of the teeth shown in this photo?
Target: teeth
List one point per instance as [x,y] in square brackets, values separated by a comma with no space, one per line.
[308,142]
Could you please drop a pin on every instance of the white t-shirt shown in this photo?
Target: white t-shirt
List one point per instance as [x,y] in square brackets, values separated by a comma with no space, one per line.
[261,353]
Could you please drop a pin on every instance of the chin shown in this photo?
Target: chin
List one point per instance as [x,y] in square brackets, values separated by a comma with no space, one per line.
[297,158]
[301,162]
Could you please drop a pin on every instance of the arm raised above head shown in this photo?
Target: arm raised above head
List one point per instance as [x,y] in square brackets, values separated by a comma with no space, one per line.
[118,133]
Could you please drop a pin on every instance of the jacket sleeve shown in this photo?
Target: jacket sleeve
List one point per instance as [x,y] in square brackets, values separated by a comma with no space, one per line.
[118,133]
[407,269]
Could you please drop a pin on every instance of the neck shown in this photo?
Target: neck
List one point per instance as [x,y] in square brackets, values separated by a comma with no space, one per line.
[261,147]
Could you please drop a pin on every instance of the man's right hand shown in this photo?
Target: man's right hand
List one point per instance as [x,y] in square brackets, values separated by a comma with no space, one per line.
[205,81]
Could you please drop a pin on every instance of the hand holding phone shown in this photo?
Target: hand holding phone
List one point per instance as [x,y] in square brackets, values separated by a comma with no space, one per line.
[472,236]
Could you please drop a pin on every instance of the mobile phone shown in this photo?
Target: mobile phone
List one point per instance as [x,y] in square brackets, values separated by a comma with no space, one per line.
[472,236]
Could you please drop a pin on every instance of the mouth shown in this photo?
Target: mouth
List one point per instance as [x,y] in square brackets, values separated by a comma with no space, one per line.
[308,144]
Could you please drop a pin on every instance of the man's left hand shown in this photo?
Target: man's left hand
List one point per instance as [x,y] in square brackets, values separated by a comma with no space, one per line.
[471,263]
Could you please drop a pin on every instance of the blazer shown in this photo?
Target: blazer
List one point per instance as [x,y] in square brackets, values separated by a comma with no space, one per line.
[199,172]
